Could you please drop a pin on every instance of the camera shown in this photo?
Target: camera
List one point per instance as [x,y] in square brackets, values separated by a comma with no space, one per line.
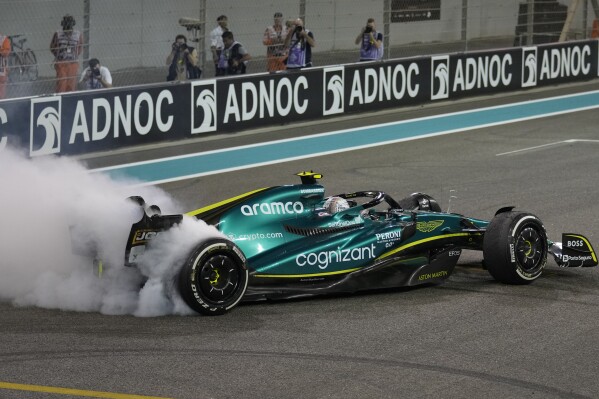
[299,29]
[368,29]
[179,46]
[96,72]
[190,23]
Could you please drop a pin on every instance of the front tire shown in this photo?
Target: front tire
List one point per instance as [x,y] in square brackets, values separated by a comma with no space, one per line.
[214,277]
[515,247]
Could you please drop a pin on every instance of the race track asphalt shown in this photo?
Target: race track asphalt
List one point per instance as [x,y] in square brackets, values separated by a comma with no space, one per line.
[469,337]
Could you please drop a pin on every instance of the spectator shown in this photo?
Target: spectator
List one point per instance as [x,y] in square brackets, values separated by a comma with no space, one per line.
[66,46]
[234,57]
[299,41]
[274,39]
[216,43]
[95,76]
[182,61]
[4,53]
[371,42]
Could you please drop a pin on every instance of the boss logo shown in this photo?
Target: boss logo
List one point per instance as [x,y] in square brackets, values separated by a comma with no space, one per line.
[203,106]
[333,93]
[440,77]
[529,66]
[45,126]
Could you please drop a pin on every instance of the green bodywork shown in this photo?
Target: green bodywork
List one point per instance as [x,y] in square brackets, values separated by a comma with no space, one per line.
[285,233]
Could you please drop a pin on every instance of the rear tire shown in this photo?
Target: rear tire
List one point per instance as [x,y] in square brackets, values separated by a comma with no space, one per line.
[214,277]
[515,248]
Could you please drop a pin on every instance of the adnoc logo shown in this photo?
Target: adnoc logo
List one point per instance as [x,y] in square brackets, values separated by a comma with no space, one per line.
[203,106]
[333,94]
[440,77]
[44,135]
[529,66]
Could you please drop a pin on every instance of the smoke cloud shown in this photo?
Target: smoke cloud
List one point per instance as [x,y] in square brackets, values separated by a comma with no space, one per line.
[50,205]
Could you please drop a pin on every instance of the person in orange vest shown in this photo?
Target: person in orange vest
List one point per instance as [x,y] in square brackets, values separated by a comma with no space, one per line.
[66,46]
[4,53]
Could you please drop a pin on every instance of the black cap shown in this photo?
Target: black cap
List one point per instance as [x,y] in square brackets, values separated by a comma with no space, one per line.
[278,14]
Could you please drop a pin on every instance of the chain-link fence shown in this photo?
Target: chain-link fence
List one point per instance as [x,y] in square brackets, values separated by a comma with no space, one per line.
[133,38]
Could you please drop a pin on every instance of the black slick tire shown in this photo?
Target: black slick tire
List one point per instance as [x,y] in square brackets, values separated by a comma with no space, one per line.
[515,248]
[214,277]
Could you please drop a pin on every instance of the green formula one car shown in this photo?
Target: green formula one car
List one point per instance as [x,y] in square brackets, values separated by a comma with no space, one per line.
[292,241]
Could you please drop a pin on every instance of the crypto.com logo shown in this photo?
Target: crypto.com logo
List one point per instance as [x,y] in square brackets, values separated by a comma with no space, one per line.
[333,93]
[44,133]
[529,66]
[439,77]
[203,106]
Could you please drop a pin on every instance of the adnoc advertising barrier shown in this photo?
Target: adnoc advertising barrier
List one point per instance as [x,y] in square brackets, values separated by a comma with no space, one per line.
[85,122]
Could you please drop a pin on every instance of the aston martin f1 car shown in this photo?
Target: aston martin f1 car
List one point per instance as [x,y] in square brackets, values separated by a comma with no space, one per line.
[292,241]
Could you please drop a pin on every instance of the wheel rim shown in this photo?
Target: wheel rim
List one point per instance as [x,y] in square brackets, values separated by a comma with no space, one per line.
[219,278]
[530,248]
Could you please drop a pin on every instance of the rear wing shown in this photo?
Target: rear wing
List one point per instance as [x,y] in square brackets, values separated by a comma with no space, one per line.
[151,224]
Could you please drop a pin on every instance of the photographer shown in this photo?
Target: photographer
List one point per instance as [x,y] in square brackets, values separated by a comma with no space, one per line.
[95,76]
[234,57]
[371,42]
[299,41]
[182,61]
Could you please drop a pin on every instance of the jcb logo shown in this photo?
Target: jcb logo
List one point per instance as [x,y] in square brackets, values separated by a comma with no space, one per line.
[143,236]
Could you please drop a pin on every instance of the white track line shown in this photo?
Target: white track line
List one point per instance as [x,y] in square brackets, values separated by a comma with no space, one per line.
[547,145]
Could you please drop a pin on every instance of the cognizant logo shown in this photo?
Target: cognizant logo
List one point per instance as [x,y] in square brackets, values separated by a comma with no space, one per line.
[273,208]
[325,258]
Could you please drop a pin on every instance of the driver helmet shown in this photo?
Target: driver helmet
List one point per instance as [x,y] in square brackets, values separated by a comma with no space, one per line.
[336,204]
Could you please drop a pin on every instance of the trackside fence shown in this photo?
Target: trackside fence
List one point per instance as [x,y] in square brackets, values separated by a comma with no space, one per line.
[86,122]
